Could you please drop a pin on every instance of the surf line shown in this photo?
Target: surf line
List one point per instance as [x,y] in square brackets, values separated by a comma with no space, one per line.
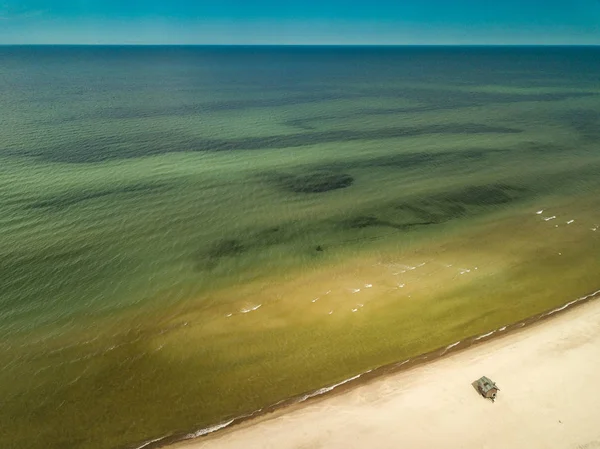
[374,373]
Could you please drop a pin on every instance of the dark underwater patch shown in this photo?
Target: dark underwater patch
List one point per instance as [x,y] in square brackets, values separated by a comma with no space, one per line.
[484,195]
[315,182]
[407,215]
[584,121]
[76,197]
[367,221]
[431,100]
[118,147]
[437,208]
[188,110]
[210,257]
[226,248]
[363,221]
[435,100]
[449,99]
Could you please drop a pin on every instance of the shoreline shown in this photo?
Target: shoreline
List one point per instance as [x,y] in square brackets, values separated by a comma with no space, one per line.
[358,380]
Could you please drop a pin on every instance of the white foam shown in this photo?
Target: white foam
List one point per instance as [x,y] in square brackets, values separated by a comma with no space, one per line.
[315,300]
[450,347]
[251,309]
[328,389]
[327,292]
[570,221]
[502,329]
[360,305]
[354,310]
[401,285]
[330,312]
[464,271]
[484,335]
[355,290]
[368,285]
[565,306]
[148,443]
[550,218]
[207,430]
[540,212]
[582,298]
[229,314]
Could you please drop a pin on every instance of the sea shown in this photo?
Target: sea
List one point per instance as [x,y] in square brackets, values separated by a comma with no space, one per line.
[189,235]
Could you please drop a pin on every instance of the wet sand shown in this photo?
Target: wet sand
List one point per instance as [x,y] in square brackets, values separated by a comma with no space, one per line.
[547,374]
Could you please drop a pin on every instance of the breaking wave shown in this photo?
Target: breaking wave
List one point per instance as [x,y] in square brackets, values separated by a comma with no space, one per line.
[208,430]
[328,389]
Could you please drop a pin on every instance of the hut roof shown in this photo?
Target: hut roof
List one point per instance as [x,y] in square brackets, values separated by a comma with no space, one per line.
[486,384]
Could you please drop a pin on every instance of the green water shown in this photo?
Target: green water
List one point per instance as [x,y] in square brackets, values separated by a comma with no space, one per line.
[151,198]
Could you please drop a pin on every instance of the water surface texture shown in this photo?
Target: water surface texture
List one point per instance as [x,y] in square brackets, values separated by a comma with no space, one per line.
[190,234]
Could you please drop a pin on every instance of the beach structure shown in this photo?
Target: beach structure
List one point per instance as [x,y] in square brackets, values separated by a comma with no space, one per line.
[486,387]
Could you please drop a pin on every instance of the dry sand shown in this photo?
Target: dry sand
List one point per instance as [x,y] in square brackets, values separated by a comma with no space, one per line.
[548,374]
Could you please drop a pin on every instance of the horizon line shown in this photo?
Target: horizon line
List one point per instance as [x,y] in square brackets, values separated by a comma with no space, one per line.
[292,45]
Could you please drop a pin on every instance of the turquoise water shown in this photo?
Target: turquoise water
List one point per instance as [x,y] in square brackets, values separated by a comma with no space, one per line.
[143,189]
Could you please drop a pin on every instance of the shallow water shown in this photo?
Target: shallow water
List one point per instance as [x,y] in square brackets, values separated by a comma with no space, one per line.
[191,234]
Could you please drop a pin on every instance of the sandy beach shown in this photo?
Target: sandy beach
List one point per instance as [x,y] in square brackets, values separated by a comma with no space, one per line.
[546,372]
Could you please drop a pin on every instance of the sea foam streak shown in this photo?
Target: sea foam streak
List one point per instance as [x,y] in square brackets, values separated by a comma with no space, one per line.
[484,335]
[583,298]
[251,309]
[450,347]
[208,430]
[328,389]
[147,443]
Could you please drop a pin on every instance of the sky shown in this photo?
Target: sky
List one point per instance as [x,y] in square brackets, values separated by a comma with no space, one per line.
[300,22]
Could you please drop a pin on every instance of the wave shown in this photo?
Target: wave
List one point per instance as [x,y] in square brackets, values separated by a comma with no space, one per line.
[328,389]
[569,304]
[251,309]
[148,443]
[450,347]
[208,430]
[484,335]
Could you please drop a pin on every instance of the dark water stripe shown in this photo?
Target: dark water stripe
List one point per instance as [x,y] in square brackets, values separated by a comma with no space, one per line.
[71,198]
[117,147]
[434,99]
[368,376]
[439,100]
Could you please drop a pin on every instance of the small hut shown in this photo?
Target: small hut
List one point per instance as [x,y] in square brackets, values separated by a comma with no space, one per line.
[486,388]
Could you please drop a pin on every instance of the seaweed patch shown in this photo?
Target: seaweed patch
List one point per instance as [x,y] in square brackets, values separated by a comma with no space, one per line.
[80,196]
[133,146]
[315,182]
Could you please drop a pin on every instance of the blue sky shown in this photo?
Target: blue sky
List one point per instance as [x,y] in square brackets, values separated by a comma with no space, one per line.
[300,22]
